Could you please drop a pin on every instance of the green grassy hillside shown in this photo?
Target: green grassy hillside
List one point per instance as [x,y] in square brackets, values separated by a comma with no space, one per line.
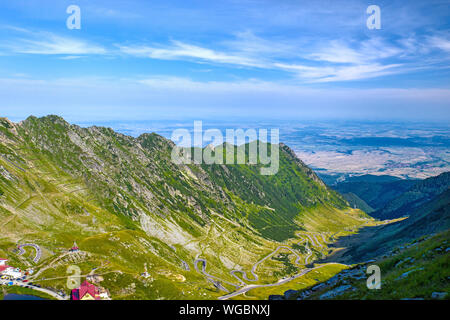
[432,217]
[131,209]
[419,194]
[376,191]
[416,270]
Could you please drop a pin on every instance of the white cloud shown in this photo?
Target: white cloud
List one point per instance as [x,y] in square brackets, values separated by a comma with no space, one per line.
[47,43]
[53,44]
[248,44]
[180,50]
[242,86]
[70,57]
[308,60]
[340,73]
[440,43]
[372,49]
[334,61]
[337,52]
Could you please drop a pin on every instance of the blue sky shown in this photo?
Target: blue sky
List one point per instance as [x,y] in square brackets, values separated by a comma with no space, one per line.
[249,59]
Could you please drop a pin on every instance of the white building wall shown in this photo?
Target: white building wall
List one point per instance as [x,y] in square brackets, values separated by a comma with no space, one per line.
[12,273]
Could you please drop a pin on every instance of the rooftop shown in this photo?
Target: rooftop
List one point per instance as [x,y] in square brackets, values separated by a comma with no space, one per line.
[3,268]
[86,288]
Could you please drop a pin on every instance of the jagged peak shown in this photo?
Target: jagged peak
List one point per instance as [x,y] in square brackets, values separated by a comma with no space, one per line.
[7,126]
[54,118]
[6,122]
[150,135]
[150,140]
[48,118]
[289,151]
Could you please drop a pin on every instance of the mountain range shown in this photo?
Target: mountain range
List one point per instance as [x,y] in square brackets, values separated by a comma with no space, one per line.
[148,228]
[133,212]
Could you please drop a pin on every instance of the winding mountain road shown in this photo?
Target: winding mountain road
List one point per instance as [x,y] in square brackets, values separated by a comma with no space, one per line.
[38,255]
[253,270]
[209,276]
[280,282]
[310,253]
[13,164]
[185,265]
[244,287]
[255,266]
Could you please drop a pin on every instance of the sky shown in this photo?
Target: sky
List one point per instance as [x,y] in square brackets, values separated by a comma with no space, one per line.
[245,59]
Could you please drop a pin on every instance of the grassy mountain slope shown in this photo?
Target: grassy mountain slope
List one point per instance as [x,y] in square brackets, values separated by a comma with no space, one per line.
[375,191]
[357,202]
[413,256]
[416,270]
[130,209]
[430,218]
[419,194]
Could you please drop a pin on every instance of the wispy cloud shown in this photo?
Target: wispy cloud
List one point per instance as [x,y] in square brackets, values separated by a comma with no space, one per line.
[337,60]
[247,54]
[47,43]
[332,61]
[372,49]
[53,44]
[340,73]
[179,50]
[70,57]
[248,44]
[306,60]
[440,43]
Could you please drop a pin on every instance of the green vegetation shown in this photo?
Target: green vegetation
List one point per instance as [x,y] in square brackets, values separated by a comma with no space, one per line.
[357,202]
[375,191]
[413,198]
[131,209]
[308,280]
[429,218]
[288,267]
[413,271]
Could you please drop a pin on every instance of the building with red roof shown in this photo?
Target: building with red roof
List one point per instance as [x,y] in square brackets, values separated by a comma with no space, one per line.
[74,248]
[3,265]
[86,291]
[3,268]
[6,270]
